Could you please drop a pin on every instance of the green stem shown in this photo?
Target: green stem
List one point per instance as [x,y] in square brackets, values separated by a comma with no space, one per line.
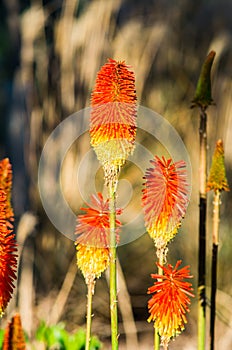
[215,241]
[113,270]
[202,232]
[161,256]
[90,286]
[156,339]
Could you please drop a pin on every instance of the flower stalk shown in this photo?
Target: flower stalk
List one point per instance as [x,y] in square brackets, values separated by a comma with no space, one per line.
[113,271]
[161,253]
[112,134]
[203,99]
[215,242]
[160,273]
[217,182]
[164,200]
[90,286]
[93,246]
[202,231]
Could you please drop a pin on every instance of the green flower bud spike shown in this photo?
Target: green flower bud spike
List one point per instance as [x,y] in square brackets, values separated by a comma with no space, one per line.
[217,182]
[217,177]
[203,96]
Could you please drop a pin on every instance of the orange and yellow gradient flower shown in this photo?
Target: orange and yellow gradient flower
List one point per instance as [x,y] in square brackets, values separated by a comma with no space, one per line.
[165,199]
[170,301]
[8,247]
[93,237]
[113,117]
[14,335]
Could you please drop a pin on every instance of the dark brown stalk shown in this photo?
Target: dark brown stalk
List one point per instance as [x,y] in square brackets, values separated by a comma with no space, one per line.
[202,231]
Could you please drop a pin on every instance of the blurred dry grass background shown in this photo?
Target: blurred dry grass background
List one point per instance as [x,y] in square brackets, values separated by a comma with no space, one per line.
[50,53]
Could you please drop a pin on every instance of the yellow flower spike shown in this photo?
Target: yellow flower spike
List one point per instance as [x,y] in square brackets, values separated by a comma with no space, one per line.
[92,261]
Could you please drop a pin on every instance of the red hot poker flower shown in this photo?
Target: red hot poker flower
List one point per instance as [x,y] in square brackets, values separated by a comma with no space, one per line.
[14,335]
[92,243]
[8,248]
[93,227]
[113,116]
[169,302]
[6,184]
[164,199]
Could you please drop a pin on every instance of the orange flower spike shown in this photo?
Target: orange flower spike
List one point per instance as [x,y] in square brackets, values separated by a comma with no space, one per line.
[113,116]
[6,184]
[8,257]
[14,336]
[164,199]
[170,300]
[93,230]
[93,227]
[8,247]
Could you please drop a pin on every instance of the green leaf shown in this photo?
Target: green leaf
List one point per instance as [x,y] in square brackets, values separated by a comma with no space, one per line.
[95,344]
[56,336]
[1,337]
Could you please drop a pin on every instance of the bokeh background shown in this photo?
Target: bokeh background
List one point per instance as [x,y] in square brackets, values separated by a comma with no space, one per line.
[50,52]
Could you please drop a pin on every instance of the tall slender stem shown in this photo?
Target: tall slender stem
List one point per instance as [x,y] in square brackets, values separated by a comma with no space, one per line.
[156,340]
[161,256]
[125,307]
[216,205]
[90,286]
[113,270]
[202,231]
